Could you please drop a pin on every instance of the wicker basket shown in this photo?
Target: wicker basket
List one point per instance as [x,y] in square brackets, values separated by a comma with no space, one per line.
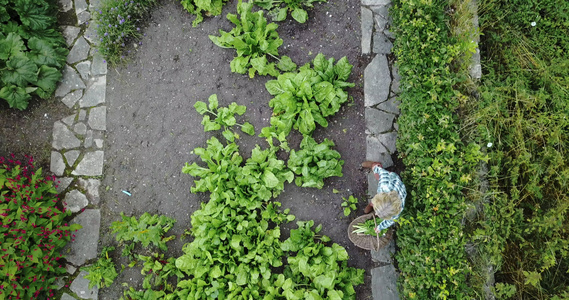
[368,242]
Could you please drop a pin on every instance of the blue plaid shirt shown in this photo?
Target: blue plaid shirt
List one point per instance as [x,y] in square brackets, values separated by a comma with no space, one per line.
[389,181]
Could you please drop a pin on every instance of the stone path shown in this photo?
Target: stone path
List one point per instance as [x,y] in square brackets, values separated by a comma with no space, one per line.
[381,87]
[77,156]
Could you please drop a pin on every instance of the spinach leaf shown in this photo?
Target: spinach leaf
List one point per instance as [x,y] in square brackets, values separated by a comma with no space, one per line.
[278,8]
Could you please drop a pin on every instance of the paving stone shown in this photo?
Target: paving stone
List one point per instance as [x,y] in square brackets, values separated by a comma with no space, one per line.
[90,34]
[80,6]
[381,44]
[384,254]
[99,66]
[375,151]
[389,34]
[79,52]
[82,115]
[95,93]
[377,79]
[380,10]
[91,187]
[63,138]
[84,69]
[71,157]
[84,247]
[75,201]
[396,79]
[389,141]
[69,120]
[90,165]
[80,286]
[391,105]
[98,143]
[94,4]
[65,5]
[57,166]
[88,139]
[98,118]
[384,283]
[377,121]
[380,22]
[70,269]
[70,99]
[60,282]
[66,296]
[62,183]
[70,33]
[372,184]
[83,17]
[475,68]
[376,2]
[367,29]
[396,126]
[70,81]
[80,128]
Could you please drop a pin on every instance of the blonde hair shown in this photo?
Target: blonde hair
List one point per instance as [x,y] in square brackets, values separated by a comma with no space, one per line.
[386,205]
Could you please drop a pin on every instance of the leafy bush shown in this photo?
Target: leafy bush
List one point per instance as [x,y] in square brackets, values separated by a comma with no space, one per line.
[117,25]
[146,229]
[253,39]
[102,273]
[305,98]
[432,257]
[278,9]
[32,51]
[314,162]
[33,232]
[199,7]
[224,116]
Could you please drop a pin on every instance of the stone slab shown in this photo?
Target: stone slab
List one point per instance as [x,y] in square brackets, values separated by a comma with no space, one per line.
[70,81]
[80,6]
[375,151]
[65,5]
[62,183]
[380,22]
[95,93]
[79,52]
[90,34]
[84,69]
[82,115]
[75,201]
[70,269]
[57,166]
[63,138]
[90,165]
[66,296]
[367,29]
[91,187]
[98,143]
[88,139]
[99,66]
[71,157]
[84,247]
[378,122]
[384,254]
[380,11]
[372,184]
[83,17]
[384,283]
[388,140]
[70,99]
[377,79]
[381,44]
[80,286]
[80,128]
[376,2]
[390,106]
[69,120]
[98,118]
[396,79]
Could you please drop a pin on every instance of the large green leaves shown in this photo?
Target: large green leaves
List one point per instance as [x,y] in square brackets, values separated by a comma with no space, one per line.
[278,9]
[224,117]
[200,7]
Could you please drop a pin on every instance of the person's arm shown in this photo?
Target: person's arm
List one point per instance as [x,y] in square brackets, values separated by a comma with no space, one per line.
[384,225]
[378,170]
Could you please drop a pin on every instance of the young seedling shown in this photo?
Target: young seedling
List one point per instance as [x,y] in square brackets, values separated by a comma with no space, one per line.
[224,117]
[349,204]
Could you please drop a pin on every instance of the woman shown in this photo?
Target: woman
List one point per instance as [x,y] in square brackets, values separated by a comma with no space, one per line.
[389,201]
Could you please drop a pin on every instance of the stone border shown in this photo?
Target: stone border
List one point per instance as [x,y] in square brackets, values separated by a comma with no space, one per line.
[77,156]
[381,88]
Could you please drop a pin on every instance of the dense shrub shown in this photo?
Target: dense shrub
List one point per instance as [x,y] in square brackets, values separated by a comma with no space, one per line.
[32,51]
[32,233]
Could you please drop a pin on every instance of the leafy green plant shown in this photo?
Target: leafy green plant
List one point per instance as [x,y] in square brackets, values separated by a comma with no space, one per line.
[278,9]
[307,97]
[314,162]
[118,24]
[349,204]
[32,51]
[224,117]
[102,273]
[253,39]
[200,7]
[157,270]
[33,233]
[147,229]
[367,227]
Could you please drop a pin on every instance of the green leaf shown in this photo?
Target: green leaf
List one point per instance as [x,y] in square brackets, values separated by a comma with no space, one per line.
[335,191]
[248,128]
[343,69]
[20,71]
[200,107]
[228,135]
[300,15]
[48,78]
[347,211]
[239,64]
[286,64]
[10,46]
[307,124]
[280,14]
[42,53]
[16,96]
[273,87]
[34,15]
[213,103]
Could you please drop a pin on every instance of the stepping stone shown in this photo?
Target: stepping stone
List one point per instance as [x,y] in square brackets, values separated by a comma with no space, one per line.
[367,29]
[65,5]
[63,138]
[70,81]
[396,79]
[80,286]
[375,151]
[90,165]
[95,93]
[384,283]
[98,143]
[83,17]
[378,122]
[80,128]
[376,2]
[75,201]
[69,120]
[91,34]
[88,139]
[84,247]
[384,254]
[80,6]
[99,66]
[391,106]
[381,44]
[377,79]
[66,296]
[70,269]
[62,183]
[72,98]
[57,166]
[381,16]
[79,52]
[71,157]
[91,187]
[84,69]
[82,114]
[98,118]
[389,141]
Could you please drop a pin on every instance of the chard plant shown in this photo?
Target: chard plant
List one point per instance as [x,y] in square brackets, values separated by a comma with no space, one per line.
[278,9]
[102,273]
[33,232]
[201,7]
[254,40]
[148,229]
[157,271]
[224,117]
[305,98]
[314,162]
[349,204]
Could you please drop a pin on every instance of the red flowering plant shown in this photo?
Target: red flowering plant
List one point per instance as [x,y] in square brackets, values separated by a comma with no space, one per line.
[32,233]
